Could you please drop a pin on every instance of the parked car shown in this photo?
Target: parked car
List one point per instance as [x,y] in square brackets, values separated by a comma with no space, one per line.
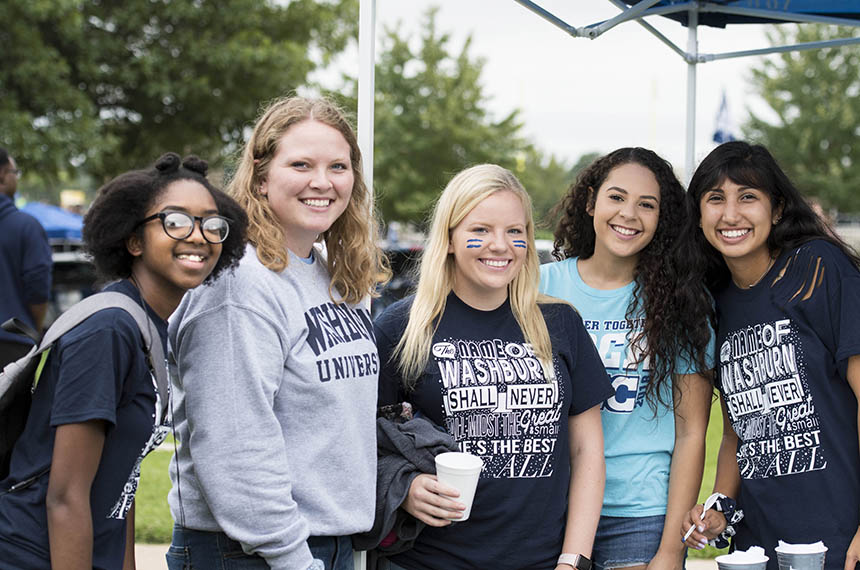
[544,250]
[404,268]
[403,260]
[73,275]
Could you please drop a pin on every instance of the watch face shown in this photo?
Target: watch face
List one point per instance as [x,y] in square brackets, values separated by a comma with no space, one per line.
[578,561]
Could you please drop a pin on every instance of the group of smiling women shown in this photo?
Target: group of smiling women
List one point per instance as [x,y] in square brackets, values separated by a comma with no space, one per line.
[584,385]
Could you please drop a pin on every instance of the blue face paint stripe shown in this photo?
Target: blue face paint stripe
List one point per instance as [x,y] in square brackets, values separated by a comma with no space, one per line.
[472,246]
[473,243]
[519,243]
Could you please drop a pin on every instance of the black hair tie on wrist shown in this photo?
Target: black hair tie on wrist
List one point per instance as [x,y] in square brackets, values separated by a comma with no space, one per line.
[733,514]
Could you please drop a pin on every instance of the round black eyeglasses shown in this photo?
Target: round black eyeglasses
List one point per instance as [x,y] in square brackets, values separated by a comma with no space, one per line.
[180,225]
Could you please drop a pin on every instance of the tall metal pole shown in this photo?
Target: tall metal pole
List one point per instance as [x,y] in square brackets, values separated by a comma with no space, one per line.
[692,61]
[366,66]
[366,89]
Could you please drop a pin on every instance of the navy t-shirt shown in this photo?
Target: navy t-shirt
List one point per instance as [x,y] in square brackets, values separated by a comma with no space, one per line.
[96,371]
[25,267]
[784,347]
[484,385]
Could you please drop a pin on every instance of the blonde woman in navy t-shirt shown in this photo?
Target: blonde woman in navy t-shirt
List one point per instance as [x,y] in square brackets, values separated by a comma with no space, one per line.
[510,374]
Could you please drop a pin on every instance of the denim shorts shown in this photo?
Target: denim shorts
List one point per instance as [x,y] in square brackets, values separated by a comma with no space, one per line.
[198,549]
[622,542]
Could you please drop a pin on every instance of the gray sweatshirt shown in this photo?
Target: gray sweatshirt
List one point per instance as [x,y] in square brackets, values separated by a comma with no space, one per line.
[274,404]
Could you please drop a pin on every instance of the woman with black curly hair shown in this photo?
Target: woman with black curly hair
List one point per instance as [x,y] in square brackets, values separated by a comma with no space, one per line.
[619,225]
[96,411]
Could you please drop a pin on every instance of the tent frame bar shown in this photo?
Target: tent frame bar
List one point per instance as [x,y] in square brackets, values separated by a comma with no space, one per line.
[691,55]
[643,9]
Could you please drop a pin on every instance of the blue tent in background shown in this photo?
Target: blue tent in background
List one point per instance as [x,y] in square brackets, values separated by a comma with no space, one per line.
[58,223]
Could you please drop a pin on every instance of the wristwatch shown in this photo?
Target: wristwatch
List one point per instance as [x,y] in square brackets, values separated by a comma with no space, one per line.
[578,561]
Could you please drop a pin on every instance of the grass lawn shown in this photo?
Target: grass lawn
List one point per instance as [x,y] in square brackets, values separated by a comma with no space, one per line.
[153,523]
[712,446]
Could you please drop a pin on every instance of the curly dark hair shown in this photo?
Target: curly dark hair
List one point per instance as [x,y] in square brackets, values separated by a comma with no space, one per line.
[752,166]
[124,201]
[677,318]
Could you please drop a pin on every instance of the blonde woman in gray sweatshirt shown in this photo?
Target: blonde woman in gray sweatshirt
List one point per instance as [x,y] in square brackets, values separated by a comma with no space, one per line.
[275,367]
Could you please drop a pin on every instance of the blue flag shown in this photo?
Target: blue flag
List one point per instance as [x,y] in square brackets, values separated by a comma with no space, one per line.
[723,127]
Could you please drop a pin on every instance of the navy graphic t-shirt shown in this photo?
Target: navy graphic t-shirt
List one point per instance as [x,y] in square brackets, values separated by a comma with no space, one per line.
[783,351]
[96,371]
[486,387]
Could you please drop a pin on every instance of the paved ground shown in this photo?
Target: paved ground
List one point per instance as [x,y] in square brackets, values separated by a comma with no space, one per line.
[151,557]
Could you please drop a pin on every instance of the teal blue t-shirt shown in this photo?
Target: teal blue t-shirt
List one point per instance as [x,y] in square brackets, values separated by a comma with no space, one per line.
[638,445]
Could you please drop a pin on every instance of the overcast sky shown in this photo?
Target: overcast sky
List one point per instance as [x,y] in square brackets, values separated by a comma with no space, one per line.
[579,95]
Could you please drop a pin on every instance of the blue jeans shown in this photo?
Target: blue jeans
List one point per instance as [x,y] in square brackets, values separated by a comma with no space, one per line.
[202,550]
[334,551]
[621,542]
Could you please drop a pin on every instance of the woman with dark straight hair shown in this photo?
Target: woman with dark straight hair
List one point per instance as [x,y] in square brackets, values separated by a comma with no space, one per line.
[787,295]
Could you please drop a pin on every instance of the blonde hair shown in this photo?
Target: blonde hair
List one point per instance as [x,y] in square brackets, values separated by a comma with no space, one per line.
[436,272]
[356,264]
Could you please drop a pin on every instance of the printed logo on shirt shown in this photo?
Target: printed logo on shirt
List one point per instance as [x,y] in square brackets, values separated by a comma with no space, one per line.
[629,379]
[500,406]
[160,429]
[331,324]
[769,403]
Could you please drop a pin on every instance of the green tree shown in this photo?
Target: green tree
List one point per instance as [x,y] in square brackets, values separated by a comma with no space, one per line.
[546,179]
[814,95]
[432,121]
[105,85]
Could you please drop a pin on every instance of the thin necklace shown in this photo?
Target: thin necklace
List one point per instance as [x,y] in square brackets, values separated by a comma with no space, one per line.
[756,282]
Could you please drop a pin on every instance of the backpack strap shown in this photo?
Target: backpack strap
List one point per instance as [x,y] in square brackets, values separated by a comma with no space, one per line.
[86,308]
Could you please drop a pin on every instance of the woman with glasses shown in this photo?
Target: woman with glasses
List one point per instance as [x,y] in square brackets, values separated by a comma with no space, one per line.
[275,366]
[96,411]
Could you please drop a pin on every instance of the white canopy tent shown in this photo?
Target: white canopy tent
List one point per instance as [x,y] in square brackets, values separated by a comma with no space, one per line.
[690,13]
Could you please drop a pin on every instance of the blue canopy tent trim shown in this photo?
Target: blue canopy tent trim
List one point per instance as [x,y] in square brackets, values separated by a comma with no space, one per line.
[58,223]
[715,13]
[718,14]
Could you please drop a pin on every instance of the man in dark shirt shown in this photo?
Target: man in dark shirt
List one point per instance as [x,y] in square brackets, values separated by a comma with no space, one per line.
[25,265]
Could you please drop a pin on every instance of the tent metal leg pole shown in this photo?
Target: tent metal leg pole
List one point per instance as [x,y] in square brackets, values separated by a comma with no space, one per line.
[692,61]
[366,88]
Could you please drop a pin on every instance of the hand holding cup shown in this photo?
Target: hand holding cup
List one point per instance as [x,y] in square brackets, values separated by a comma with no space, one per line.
[432,502]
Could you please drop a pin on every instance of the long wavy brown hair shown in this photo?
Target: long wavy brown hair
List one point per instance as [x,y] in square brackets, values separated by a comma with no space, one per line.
[677,317]
[355,262]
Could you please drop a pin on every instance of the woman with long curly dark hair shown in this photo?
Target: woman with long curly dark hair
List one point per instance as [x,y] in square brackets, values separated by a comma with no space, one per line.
[619,226]
[787,296]
[68,501]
